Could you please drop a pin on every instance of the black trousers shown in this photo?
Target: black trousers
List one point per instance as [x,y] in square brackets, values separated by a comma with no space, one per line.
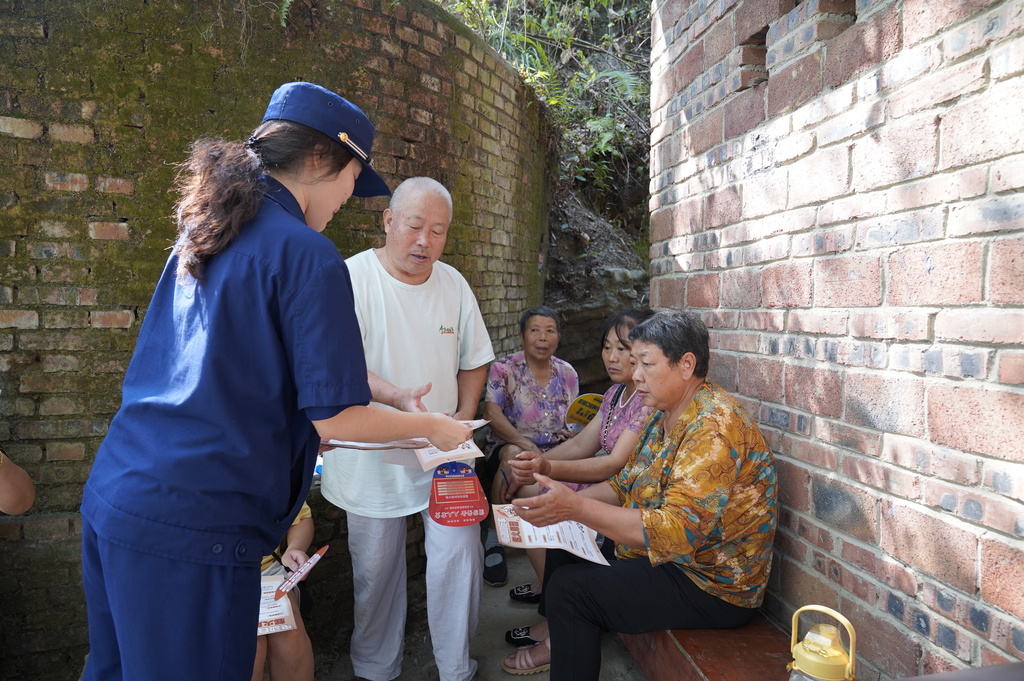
[581,599]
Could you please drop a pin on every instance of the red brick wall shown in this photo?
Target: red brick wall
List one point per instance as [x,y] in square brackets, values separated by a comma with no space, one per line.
[98,100]
[837,188]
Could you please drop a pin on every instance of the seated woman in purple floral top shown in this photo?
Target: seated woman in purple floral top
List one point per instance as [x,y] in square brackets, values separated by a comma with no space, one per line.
[528,396]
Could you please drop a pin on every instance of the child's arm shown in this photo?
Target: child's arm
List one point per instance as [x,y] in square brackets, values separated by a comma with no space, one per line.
[16,490]
[299,537]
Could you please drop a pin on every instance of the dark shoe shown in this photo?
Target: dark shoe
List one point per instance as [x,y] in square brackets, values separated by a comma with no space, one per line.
[524,594]
[520,636]
[497,573]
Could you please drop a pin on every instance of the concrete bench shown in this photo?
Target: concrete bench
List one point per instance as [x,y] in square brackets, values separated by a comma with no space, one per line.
[757,651]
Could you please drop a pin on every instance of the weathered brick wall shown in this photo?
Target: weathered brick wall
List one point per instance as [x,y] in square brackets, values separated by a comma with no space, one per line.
[98,100]
[837,188]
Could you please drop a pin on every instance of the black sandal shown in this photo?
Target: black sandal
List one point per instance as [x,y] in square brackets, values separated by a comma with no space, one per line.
[520,636]
[524,594]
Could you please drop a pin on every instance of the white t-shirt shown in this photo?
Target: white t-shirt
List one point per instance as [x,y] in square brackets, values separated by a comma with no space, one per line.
[412,334]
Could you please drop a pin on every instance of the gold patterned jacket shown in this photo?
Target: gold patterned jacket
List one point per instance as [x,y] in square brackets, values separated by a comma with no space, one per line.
[707,495]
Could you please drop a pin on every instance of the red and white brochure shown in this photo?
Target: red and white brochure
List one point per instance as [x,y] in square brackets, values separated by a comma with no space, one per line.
[275,614]
[570,535]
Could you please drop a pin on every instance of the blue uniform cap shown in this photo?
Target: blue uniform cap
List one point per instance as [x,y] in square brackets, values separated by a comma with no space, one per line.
[336,117]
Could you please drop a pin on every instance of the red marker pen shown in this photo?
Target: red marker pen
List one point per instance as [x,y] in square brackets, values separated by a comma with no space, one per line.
[296,576]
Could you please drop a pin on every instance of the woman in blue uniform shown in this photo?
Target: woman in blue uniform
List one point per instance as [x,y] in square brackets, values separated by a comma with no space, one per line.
[249,353]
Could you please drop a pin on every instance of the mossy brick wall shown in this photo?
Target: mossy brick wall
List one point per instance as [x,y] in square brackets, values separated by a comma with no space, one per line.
[98,101]
[838,188]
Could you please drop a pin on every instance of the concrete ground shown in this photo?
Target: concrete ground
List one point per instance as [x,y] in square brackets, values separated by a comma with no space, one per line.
[497,615]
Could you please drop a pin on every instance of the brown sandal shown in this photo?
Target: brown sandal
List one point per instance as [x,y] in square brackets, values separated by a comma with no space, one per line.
[522,662]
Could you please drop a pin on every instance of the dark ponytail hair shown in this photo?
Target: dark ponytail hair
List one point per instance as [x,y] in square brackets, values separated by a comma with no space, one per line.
[221,185]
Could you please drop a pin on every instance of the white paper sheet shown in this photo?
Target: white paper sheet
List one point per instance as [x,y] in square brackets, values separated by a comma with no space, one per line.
[277,615]
[412,443]
[570,535]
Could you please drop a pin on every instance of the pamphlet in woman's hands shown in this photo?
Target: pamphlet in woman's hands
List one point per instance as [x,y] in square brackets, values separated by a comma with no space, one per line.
[394,444]
[412,443]
[425,455]
[569,535]
[429,457]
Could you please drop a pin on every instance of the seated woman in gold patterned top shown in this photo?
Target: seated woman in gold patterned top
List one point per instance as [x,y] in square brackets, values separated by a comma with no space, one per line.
[692,515]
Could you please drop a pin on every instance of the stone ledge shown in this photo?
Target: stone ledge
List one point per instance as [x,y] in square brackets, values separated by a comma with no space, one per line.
[757,651]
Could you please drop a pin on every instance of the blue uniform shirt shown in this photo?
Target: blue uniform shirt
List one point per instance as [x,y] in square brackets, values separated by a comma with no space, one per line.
[212,451]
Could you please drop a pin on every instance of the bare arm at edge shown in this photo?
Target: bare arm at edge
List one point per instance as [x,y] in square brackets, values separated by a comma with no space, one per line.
[471,386]
[17,494]
[373,424]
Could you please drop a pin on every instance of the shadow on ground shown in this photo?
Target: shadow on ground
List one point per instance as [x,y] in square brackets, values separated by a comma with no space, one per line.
[497,614]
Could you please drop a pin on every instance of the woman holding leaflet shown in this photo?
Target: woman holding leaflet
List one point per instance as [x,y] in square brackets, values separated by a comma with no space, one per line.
[250,352]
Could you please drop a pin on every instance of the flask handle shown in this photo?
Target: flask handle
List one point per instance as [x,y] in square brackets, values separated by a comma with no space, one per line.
[851,665]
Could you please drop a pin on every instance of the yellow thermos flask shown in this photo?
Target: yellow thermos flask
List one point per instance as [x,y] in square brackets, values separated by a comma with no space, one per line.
[820,656]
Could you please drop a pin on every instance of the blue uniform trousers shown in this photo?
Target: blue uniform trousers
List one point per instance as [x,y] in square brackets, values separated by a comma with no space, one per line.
[159,619]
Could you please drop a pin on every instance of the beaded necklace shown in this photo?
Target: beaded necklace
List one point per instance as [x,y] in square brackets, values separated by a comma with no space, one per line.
[614,413]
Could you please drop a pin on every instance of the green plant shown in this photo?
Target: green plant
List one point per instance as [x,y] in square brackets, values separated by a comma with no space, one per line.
[282,12]
[587,59]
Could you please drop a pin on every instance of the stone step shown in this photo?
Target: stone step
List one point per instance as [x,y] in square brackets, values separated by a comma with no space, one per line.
[757,651]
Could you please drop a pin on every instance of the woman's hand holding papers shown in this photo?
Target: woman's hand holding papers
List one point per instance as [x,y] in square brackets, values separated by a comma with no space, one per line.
[446,433]
[371,423]
[443,432]
[557,504]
